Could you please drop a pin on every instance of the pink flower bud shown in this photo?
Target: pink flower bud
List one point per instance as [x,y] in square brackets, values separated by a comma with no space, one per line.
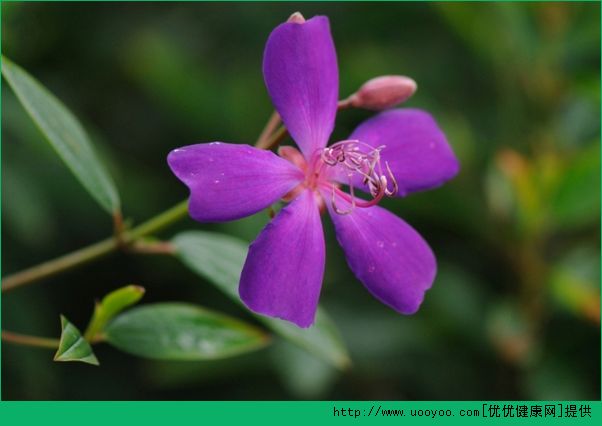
[383,92]
[296,18]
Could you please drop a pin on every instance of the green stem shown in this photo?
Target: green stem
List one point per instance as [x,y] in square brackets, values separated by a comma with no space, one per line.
[26,340]
[62,263]
[159,222]
[94,251]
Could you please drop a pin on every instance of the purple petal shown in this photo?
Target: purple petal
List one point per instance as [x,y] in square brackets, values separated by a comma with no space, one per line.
[283,272]
[301,74]
[416,149]
[386,254]
[229,181]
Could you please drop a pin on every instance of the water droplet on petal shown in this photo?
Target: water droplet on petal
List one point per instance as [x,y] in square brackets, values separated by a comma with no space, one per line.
[380,244]
[394,244]
[432,145]
[371,268]
[216,181]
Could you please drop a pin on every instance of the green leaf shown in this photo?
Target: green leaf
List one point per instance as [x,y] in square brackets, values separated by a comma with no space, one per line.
[179,331]
[65,134]
[72,346]
[112,304]
[220,258]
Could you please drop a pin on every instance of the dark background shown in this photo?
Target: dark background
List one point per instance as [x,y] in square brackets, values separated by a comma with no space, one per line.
[515,310]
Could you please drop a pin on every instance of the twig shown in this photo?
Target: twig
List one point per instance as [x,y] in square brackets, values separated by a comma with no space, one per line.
[27,340]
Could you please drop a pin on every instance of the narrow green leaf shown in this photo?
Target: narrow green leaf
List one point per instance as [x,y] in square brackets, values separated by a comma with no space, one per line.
[65,134]
[112,304]
[220,258]
[72,346]
[179,331]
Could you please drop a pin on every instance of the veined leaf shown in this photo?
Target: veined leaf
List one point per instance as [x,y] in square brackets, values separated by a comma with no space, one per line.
[180,331]
[220,258]
[72,346]
[112,304]
[65,134]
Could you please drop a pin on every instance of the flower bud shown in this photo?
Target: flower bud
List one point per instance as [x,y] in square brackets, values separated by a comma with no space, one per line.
[383,92]
[296,18]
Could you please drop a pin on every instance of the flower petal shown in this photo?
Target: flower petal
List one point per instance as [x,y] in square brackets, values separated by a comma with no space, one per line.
[386,254]
[416,149]
[230,181]
[301,74]
[283,272]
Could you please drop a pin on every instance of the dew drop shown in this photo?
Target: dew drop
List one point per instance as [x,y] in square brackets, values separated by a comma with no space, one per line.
[216,181]
[371,268]
[394,244]
[432,145]
[380,244]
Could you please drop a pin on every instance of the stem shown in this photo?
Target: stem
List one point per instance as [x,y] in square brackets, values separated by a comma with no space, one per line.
[345,103]
[159,222]
[118,227]
[274,140]
[62,263]
[26,340]
[269,128]
[94,251]
[158,247]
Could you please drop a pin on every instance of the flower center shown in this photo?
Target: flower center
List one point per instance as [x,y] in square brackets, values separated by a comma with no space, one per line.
[349,162]
[354,163]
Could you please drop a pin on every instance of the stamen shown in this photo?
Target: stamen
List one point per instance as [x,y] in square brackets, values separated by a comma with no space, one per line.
[358,158]
[333,202]
[395,186]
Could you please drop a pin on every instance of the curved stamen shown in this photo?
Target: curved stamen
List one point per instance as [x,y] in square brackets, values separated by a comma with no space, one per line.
[333,202]
[353,201]
[393,180]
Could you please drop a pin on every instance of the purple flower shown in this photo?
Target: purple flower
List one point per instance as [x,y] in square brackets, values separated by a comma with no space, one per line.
[394,153]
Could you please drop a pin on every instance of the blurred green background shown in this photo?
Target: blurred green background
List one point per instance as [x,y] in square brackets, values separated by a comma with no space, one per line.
[515,309]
